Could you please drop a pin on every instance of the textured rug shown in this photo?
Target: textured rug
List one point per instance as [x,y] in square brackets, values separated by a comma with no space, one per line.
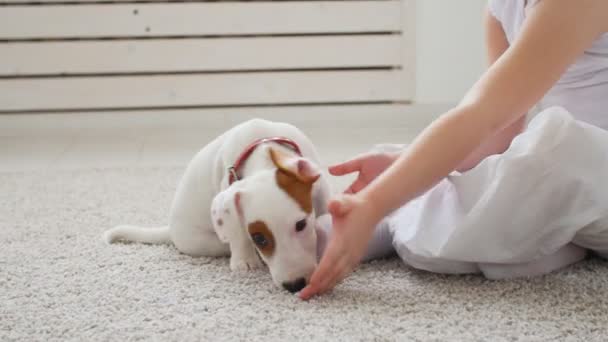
[60,282]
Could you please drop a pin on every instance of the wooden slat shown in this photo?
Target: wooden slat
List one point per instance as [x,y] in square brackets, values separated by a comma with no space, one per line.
[200,90]
[166,55]
[188,19]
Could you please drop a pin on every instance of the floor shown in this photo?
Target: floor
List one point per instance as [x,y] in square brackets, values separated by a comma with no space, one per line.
[132,139]
[66,178]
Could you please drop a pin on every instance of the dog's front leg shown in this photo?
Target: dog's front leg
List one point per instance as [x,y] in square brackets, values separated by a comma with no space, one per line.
[230,227]
[243,255]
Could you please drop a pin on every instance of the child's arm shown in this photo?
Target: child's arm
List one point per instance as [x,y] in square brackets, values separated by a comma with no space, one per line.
[496,45]
[555,33]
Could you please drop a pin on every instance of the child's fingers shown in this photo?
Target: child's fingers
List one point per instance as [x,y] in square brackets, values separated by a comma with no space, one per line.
[339,207]
[307,292]
[328,282]
[327,267]
[341,270]
[335,208]
[357,186]
[350,166]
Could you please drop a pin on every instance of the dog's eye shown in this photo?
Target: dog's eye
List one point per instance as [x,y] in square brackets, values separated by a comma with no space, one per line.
[300,225]
[259,239]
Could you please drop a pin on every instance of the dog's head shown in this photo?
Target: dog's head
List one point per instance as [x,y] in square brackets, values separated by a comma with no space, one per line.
[275,208]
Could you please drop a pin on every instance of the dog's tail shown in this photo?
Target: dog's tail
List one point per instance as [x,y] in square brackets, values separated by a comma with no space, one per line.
[157,235]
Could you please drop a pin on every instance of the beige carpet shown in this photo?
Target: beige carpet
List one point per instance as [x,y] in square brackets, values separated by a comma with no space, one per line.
[59,282]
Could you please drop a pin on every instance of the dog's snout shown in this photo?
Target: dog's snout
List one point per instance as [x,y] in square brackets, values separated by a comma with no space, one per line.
[295,286]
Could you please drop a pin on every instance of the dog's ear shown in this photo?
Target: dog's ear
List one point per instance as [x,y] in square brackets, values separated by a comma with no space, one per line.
[227,212]
[299,168]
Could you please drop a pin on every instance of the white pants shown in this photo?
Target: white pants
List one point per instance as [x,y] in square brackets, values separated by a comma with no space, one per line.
[533,209]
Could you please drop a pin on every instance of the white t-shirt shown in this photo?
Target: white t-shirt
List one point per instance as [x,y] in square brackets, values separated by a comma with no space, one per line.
[583,88]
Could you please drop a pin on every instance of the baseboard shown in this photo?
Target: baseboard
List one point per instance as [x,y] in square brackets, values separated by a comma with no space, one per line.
[372,115]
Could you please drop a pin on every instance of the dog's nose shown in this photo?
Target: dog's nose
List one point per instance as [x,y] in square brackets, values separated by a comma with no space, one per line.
[295,286]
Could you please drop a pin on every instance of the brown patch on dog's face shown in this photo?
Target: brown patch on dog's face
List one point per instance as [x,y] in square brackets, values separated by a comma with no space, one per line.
[262,237]
[297,186]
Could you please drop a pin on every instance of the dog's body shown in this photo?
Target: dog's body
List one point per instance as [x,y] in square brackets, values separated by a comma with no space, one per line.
[272,207]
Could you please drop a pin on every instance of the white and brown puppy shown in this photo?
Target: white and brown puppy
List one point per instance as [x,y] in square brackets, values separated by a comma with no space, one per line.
[254,190]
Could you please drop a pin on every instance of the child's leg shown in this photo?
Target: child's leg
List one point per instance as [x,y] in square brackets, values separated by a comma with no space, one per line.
[594,237]
[514,208]
[380,245]
[565,256]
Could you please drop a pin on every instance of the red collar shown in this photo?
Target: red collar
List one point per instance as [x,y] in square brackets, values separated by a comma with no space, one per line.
[234,169]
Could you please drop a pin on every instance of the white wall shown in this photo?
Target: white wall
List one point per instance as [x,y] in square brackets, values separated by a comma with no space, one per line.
[449,48]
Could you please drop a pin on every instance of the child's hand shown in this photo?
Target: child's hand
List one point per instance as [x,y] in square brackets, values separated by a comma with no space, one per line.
[369,165]
[353,226]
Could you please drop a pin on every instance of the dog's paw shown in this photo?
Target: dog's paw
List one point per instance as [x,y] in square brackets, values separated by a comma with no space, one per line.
[222,218]
[242,264]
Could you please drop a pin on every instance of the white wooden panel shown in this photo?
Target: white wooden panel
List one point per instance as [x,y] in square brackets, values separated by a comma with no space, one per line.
[186,19]
[165,55]
[154,121]
[408,46]
[197,90]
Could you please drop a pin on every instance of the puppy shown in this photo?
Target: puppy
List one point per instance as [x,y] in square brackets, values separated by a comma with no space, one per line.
[253,193]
